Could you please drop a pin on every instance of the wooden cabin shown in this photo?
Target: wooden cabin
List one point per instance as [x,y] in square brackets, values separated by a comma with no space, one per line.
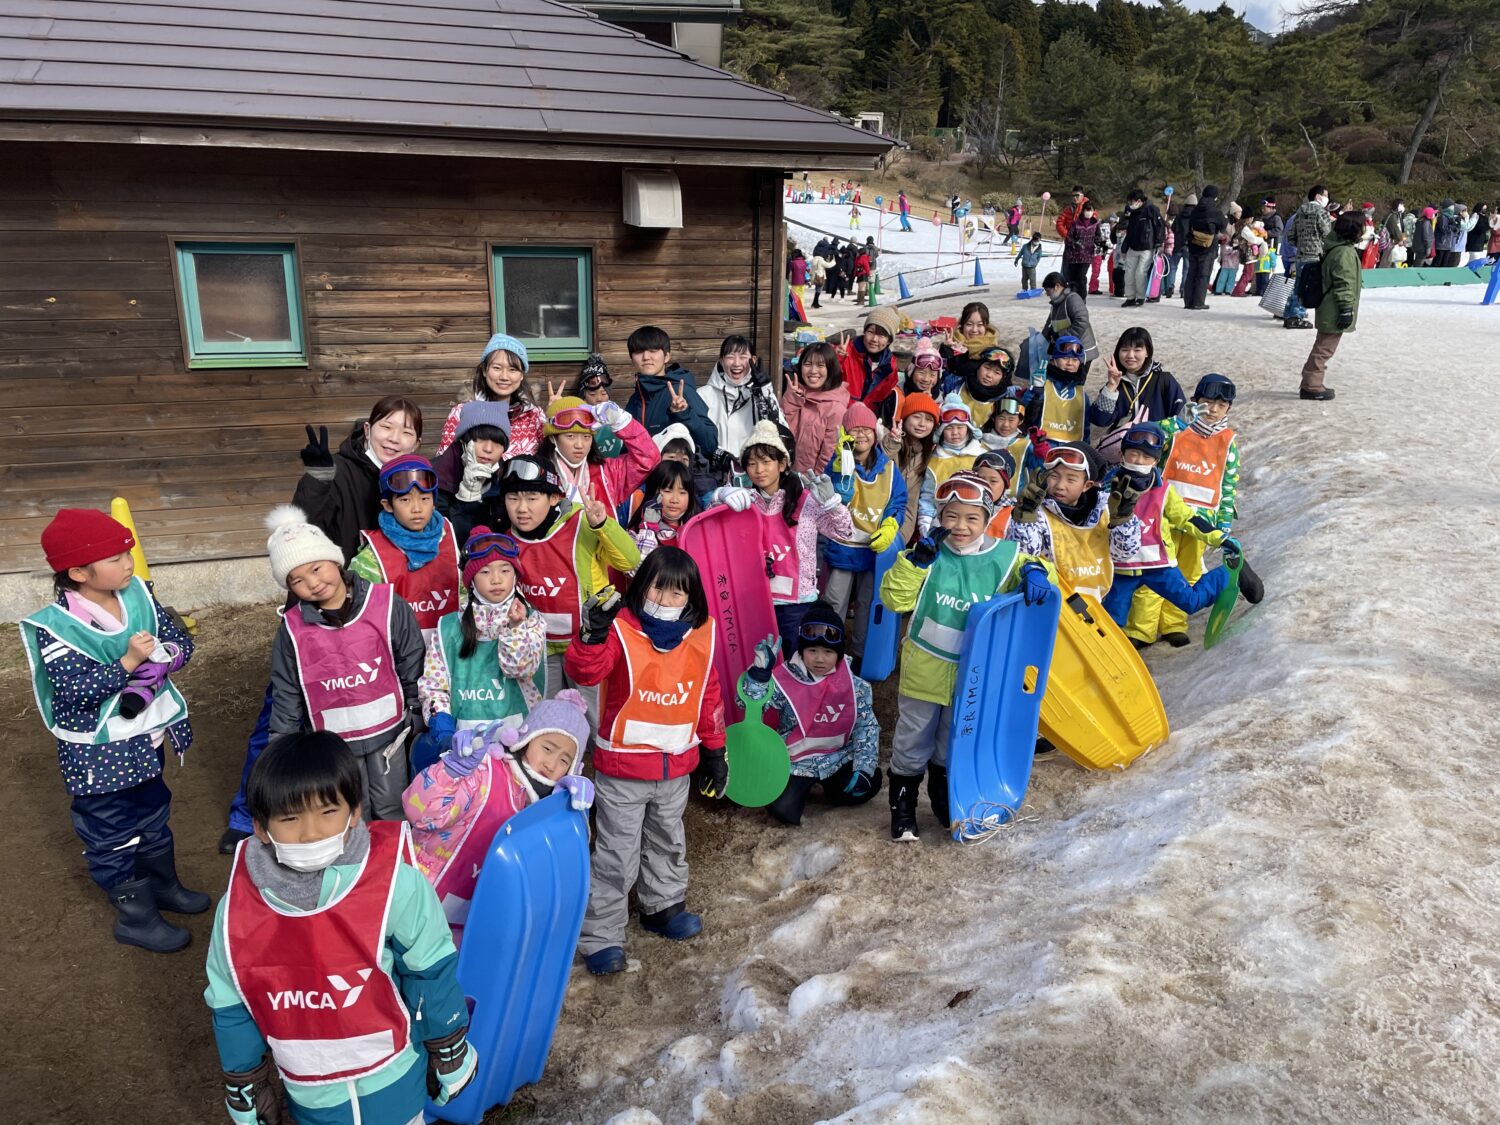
[219,223]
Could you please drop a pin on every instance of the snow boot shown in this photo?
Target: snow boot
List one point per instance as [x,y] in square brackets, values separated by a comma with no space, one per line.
[1177,640]
[937,794]
[674,923]
[1252,589]
[140,923]
[788,807]
[904,805]
[160,870]
[603,962]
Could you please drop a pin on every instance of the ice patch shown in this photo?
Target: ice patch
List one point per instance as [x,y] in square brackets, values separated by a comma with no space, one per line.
[817,992]
[808,928]
[634,1116]
[810,862]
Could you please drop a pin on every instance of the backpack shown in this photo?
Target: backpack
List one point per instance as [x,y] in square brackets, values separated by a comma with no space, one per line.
[1310,284]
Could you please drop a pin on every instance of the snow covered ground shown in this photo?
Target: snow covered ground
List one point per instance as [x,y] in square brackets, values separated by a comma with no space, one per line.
[1288,913]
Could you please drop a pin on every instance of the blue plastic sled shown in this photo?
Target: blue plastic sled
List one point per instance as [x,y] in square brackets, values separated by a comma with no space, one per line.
[883,633]
[517,952]
[1002,675]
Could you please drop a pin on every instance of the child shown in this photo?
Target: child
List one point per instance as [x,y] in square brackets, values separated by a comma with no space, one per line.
[568,449]
[669,500]
[1059,405]
[1201,460]
[876,497]
[592,385]
[925,375]
[1003,431]
[997,469]
[658,706]
[868,365]
[104,635]
[468,471]
[825,712]
[346,660]
[415,549]
[854,217]
[329,948]
[1229,267]
[1137,389]
[501,377]
[1063,516]
[665,391]
[938,581]
[790,524]
[813,403]
[910,442]
[1030,256]
[958,442]
[497,632]
[488,775]
[986,382]
[738,396]
[567,551]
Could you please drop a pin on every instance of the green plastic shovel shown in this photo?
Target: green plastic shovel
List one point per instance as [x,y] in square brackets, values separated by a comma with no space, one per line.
[759,764]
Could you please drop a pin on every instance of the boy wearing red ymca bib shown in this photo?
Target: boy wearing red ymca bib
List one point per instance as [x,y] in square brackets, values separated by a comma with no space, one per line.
[660,718]
[331,954]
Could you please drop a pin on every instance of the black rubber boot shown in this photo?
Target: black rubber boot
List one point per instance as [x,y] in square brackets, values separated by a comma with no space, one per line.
[1251,587]
[160,871]
[937,794]
[230,840]
[904,789]
[140,923]
[788,807]
[1177,640]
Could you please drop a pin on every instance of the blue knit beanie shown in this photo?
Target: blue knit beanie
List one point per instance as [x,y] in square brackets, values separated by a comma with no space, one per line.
[500,342]
[479,412]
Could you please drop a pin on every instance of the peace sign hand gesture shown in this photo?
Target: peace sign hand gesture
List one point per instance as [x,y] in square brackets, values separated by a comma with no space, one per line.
[315,454]
[554,393]
[1112,372]
[595,511]
[678,404]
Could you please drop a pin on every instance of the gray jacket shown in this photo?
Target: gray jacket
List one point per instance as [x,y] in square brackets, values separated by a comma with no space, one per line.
[1310,225]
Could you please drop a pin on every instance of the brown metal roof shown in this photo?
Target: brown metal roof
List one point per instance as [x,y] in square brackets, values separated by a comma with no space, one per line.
[489,70]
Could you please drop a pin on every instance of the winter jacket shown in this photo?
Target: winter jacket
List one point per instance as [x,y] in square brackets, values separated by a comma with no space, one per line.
[862,559]
[919,506]
[869,381]
[1069,316]
[465,515]
[649,402]
[289,704]
[613,480]
[443,810]
[526,423]
[344,500]
[796,271]
[1078,246]
[1181,238]
[1035,538]
[596,552]
[1205,217]
[1274,226]
[813,520]
[1068,216]
[734,410]
[1478,241]
[1421,243]
[419,955]
[1155,396]
[863,747]
[1144,229]
[814,418]
[962,364]
[521,649]
[1341,286]
[1309,227]
[1030,256]
[606,664]
[80,688]
[1176,521]
[820,267]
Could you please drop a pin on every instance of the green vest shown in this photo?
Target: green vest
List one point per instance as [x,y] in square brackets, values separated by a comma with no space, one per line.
[955,584]
[479,693]
[106,648]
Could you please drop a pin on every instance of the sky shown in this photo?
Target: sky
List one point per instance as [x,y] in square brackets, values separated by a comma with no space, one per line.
[1264,14]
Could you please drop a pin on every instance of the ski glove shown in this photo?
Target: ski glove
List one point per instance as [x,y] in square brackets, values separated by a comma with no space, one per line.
[884,535]
[476,476]
[1213,535]
[315,454]
[580,791]
[599,616]
[737,499]
[1035,585]
[1190,413]
[1030,500]
[861,784]
[1040,445]
[610,414]
[442,729]
[1122,500]
[252,1096]
[925,552]
[765,660]
[465,752]
[823,488]
[1346,320]
[451,1063]
[713,767]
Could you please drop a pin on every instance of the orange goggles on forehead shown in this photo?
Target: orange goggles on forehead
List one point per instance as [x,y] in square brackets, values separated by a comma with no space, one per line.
[956,416]
[574,418]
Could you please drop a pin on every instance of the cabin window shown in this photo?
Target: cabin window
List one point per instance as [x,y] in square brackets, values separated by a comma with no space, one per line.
[544,298]
[241,304]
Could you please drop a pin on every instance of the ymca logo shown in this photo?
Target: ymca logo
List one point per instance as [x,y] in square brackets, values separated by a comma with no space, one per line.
[547,588]
[953,601]
[777,552]
[318,998]
[491,694]
[1087,570]
[667,698]
[865,515]
[831,713]
[366,675]
[435,604]
[1193,468]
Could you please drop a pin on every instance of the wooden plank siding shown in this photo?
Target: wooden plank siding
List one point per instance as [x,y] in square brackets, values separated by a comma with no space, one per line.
[97,400]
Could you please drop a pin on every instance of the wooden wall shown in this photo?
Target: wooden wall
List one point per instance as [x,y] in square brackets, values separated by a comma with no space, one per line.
[95,398]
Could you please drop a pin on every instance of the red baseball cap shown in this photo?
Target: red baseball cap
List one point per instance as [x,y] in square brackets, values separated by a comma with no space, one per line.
[80,536]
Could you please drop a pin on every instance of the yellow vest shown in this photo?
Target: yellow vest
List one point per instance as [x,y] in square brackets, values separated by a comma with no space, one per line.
[1081,554]
[1062,418]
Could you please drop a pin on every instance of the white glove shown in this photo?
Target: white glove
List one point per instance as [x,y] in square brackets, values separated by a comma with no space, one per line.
[476,476]
[1190,413]
[611,414]
[823,488]
[736,499]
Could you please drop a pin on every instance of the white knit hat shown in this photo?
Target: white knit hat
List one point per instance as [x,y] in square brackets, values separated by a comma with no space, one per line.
[294,542]
[765,433]
[675,430]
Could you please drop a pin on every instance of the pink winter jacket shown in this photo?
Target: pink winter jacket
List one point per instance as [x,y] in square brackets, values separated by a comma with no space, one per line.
[814,418]
[441,808]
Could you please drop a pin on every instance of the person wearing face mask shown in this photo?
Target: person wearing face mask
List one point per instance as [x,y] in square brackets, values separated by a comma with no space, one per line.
[331,960]
[825,713]
[496,629]
[569,450]
[738,396]
[1164,519]
[1307,229]
[1394,226]
[1078,250]
[661,717]
[456,805]
[1145,233]
[470,469]
[958,443]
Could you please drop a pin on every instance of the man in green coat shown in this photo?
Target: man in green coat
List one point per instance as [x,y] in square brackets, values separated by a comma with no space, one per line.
[1339,309]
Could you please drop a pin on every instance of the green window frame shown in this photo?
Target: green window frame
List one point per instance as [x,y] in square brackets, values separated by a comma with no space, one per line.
[545,348]
[205,354]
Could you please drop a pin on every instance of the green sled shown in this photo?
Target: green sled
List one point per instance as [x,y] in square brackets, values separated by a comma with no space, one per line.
[759,764]
[1218,614]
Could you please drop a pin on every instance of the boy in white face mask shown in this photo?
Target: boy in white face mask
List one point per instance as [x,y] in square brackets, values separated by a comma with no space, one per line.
[331,950]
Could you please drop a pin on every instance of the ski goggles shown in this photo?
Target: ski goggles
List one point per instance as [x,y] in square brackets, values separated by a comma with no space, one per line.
[929,362]
[1214,388]
[495,543]
[579,418]
[956,490]
[1067,351]
[957,416]
[530,472]
[402,481]
[1008,405]
[1146,439]
[1067,457]
[998,356]
[597,382]
[821,632]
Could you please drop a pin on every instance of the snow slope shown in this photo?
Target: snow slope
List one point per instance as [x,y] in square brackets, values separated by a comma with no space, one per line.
[1288,913]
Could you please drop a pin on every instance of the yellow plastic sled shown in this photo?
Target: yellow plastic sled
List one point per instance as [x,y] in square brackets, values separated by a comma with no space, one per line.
[1101,707]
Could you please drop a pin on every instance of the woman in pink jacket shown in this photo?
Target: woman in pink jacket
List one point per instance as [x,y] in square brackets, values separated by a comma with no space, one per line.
[457,804]
[814,402]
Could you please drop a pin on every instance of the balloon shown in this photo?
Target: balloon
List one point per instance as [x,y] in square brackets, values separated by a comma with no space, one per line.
[1046,195]
[1168,190]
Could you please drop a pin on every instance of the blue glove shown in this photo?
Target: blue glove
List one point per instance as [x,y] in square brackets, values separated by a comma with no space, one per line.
[861,784]
[1232,552]
[580,791]
[925,551]
[442,727]
[1035,585]
[465,754]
